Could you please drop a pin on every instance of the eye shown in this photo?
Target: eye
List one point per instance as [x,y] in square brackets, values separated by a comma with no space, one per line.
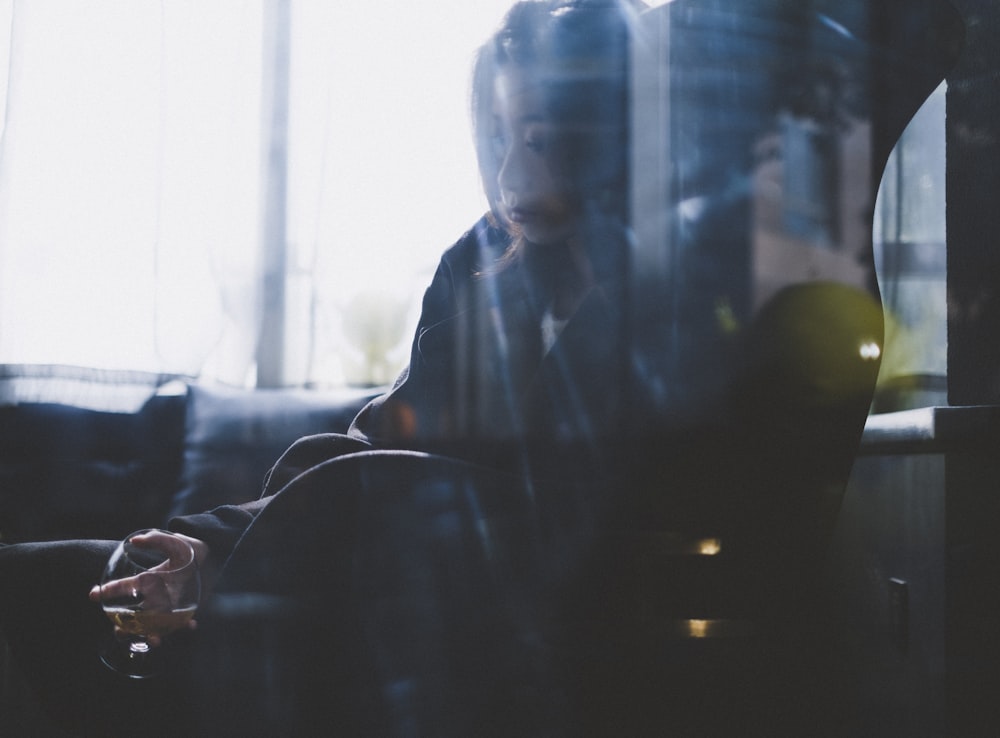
[536,139]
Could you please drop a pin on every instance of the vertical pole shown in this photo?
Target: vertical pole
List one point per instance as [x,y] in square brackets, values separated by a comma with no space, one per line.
[274,154]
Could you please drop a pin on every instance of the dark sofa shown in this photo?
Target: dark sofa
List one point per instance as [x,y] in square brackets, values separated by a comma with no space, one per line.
[70,472]
[73,472]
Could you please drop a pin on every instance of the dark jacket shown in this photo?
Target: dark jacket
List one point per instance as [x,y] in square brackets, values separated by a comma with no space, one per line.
[479,385]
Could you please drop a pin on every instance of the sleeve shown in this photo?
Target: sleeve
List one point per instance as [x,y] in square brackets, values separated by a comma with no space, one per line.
[220,528]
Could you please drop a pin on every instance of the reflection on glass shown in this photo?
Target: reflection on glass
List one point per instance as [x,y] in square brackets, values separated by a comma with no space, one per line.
[709,546]
[910,262]
[712,628]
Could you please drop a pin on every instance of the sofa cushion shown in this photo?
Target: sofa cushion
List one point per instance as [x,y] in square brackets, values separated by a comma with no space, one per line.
[232,437]
[74,472]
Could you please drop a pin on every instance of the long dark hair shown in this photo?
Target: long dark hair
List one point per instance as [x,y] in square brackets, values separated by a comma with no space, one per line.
[578,52]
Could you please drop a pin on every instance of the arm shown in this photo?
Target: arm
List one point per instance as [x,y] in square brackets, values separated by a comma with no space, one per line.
[412,411]
[218,531]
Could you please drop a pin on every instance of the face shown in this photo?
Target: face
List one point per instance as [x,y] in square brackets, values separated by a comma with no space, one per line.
[534,198]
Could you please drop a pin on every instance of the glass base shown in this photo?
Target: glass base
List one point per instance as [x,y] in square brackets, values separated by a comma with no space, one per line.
[133,660]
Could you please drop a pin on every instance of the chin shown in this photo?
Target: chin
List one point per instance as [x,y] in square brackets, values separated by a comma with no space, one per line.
[547,236]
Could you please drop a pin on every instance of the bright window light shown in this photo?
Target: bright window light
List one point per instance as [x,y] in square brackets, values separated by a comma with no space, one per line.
[130,164]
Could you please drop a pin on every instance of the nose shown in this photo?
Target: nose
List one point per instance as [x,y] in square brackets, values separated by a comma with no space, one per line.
[512,177]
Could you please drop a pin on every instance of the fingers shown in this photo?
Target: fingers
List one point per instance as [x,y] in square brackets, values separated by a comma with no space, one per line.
[164,586]
[118,589]
[178,550]
[199,547]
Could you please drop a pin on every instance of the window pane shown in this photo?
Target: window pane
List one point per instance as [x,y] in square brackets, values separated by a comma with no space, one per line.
[910,260]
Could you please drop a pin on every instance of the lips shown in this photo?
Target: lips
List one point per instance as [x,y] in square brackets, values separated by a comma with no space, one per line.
[522,214]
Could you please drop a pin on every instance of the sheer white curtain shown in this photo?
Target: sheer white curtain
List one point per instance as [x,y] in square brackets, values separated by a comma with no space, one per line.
[131,191]
[128,184]
[382,173]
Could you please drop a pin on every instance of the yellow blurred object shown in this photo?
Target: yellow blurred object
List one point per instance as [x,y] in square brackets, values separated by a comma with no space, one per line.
[822,341]
[374,325]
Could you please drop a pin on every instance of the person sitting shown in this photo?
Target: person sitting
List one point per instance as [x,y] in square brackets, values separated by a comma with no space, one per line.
[516,368]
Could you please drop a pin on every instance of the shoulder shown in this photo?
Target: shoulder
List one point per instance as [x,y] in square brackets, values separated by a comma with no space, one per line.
[461,268]
[477,250]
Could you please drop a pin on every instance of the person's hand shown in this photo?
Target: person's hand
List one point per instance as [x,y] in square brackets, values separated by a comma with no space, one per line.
[159,593]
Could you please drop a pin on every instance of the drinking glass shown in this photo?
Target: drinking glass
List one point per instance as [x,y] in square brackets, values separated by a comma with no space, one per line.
[150,587]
